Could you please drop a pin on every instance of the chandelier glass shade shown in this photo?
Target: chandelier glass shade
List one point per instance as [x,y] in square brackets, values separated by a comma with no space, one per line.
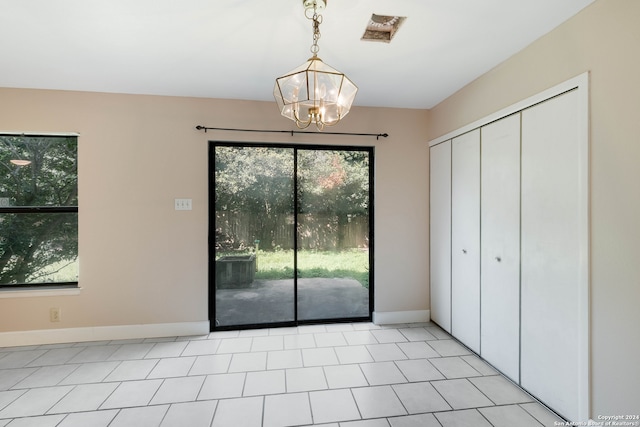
[314,92]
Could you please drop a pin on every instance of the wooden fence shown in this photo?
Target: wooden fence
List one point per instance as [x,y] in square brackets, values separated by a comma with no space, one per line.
[320,232]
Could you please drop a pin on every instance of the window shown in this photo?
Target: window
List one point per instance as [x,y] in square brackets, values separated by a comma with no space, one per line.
[38,210]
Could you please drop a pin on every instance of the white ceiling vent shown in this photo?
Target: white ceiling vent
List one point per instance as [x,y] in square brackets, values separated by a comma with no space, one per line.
[382,28]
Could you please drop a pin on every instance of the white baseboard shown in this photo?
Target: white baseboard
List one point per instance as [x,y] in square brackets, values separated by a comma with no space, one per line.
[102,333]
[394,317]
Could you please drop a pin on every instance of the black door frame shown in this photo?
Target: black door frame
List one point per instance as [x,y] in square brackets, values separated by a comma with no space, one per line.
[211,240]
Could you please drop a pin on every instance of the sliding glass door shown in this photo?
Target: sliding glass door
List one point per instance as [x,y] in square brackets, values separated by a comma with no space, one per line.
[333,234]
[290,234]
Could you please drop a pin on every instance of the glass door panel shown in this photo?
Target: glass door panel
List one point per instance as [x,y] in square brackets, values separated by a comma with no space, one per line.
[254,235]
[292,234]
[333,234]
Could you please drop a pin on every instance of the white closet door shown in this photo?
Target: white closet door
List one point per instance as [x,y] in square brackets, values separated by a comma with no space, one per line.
[554,256]
[500,245]
[465,239]
[440,234]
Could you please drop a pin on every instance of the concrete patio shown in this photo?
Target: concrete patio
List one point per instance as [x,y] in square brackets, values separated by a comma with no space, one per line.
[271,301]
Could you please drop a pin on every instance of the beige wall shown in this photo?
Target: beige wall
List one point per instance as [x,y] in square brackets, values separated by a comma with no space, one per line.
[603,39]
[142,262]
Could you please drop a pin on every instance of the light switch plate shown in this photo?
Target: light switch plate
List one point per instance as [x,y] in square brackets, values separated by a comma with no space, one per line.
[183,204]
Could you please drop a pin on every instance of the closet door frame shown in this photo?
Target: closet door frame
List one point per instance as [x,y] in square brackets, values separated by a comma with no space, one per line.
[579,83]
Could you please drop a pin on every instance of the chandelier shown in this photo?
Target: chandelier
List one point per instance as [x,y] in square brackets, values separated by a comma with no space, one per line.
[314,92]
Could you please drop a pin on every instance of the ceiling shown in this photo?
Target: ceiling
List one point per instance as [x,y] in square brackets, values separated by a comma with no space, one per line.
[236,48]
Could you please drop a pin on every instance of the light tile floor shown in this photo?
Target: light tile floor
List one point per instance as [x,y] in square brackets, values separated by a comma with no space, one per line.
[337,375]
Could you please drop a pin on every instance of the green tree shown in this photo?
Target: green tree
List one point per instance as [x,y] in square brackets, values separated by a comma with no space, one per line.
[256,181]
[333,187]
[34,240]
[333,184]
[333,181]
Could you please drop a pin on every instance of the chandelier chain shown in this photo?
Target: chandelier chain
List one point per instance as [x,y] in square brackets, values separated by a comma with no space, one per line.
[317,20]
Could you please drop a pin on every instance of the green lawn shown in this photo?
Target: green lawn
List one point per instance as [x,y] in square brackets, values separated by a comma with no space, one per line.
[351,263]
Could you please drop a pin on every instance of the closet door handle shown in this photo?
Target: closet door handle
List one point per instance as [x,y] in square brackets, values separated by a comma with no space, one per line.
[464,251]
[498,259]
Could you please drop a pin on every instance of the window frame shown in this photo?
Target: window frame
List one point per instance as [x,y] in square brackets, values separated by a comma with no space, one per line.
[44,288]
[370,150]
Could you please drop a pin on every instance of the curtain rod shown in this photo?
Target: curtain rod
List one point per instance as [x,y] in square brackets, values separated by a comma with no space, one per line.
[377,135]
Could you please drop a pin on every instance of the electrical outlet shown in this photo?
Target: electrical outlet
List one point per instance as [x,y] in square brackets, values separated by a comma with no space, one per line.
[54,314]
